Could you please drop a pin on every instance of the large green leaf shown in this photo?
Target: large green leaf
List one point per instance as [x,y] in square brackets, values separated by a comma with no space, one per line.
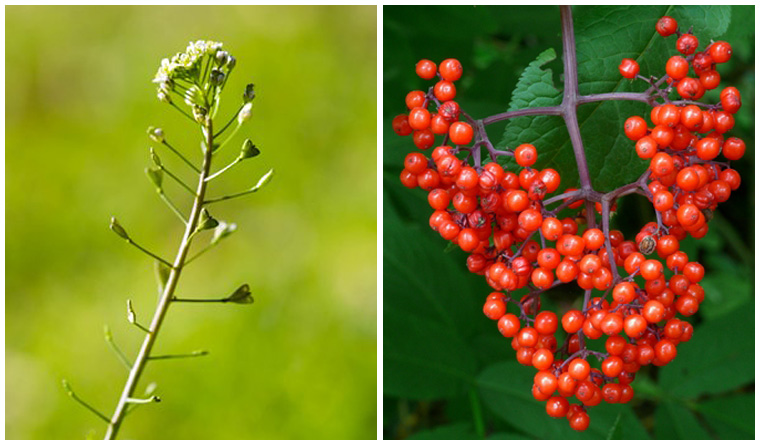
[604,36]
[427,316]
[505,389]
[675,421]
[730,417]
[720,357]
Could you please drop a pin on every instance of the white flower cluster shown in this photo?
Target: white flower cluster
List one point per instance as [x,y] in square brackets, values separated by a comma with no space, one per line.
[189,66]
[186,61]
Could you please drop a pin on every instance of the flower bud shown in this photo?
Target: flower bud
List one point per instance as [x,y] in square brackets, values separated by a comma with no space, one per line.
[156,134]
[264,180]
[249,93]
[216,77]
[194,96]
[118,229]
[131,317]
[163,97]
[231,62]
[221,57]
[199,113]
[245,113]
[248,150]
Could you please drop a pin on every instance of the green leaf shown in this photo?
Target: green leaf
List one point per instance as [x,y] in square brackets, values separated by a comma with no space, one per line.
[505,389]
[720,357]
[675,421]
[731,417]
[461,431]
[423,359]
[604,36]
[427,316]
[615,432]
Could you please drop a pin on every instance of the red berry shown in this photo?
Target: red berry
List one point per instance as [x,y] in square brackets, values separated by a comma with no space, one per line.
[419,118]
[401,125]
[635,128]
[415,99]
[690,88]
[687,44]
[423,139]
[450,69]
[449,110]
[733,148]
[415,163]
[572,321]
[525,155]
[580,421]
[720,51]
[557,407]
[579,369]
[426,69]
[494,309]
[509,325]
[666,26]
[546,323]
[629,68]
[677,67]
[460,133]
[444,90]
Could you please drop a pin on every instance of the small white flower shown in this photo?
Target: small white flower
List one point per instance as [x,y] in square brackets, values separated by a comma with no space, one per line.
[245,113]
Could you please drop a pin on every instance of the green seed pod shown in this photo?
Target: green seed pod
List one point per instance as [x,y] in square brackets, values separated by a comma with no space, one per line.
[207,221]
[248,150]
[118,229]
[242,295]
[156,176]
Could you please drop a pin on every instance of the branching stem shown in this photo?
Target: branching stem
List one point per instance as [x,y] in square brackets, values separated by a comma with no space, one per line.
[168,292]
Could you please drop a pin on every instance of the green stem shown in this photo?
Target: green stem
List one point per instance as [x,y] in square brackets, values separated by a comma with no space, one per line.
[200,300]
[122,358]
[227,167]
[172,206]
[182,111]
[147,252]
[166,296]
[179,181]
[200,252]
[89,407]
[234,118]
[171,356]
[226,197]
[477,413]
[176,152]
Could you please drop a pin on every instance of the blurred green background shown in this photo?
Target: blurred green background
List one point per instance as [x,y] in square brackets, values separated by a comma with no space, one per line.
[447,372]
[300,362]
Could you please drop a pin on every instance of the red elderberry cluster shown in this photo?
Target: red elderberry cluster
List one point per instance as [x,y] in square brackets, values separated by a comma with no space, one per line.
[494,215]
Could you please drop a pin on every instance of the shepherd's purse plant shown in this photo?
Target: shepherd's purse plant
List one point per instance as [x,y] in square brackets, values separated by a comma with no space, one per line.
[192,83]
